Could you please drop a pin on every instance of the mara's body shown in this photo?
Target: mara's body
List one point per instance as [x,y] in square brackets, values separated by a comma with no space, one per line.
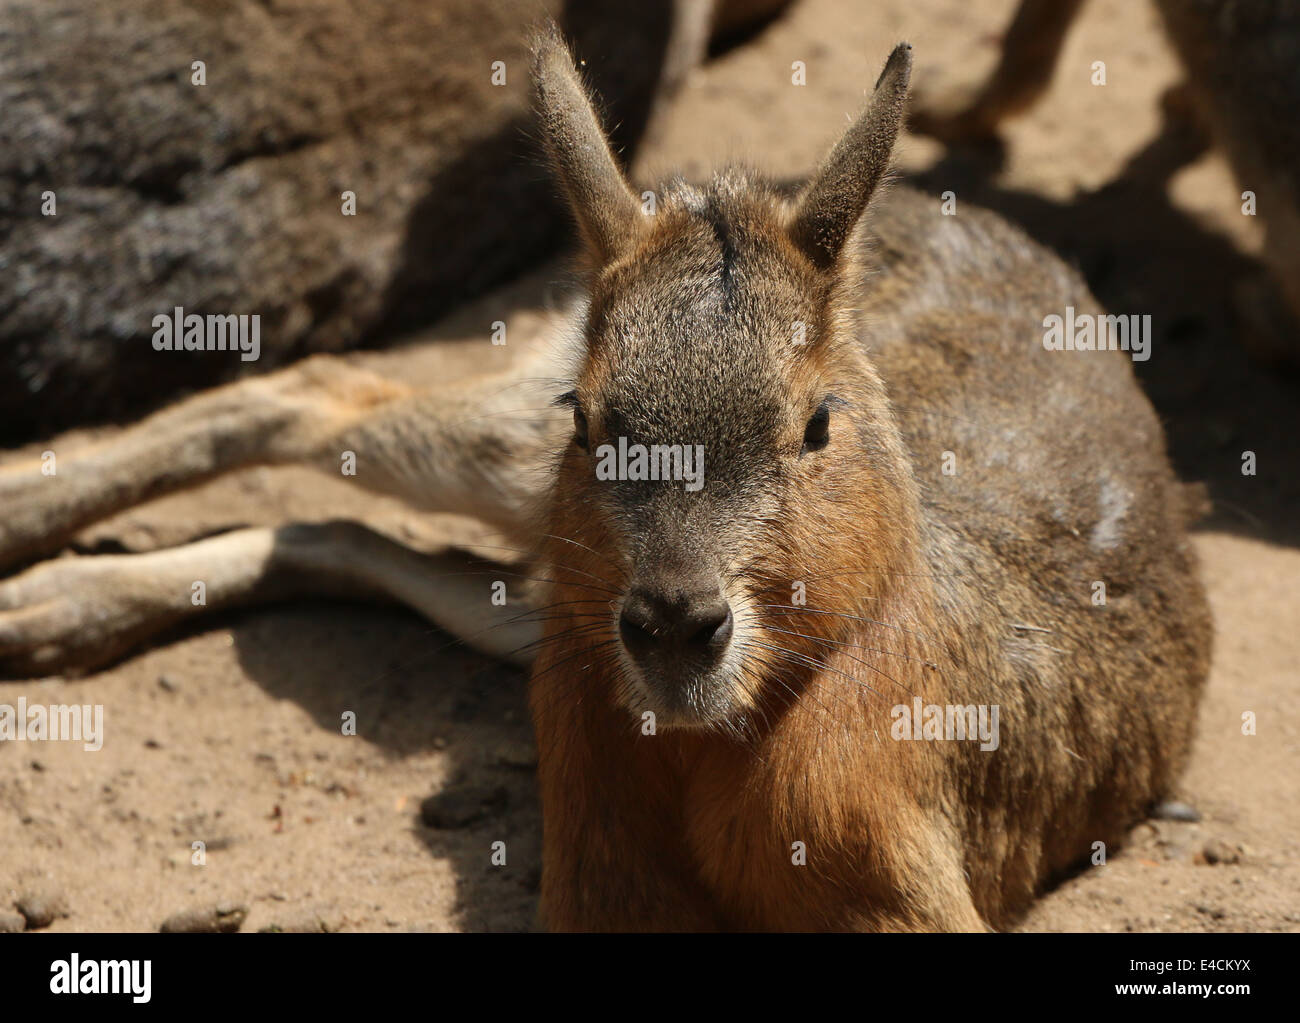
[970,520]
[889,493]
[1059,482]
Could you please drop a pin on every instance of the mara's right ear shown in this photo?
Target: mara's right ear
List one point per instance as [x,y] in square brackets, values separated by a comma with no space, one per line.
[607,211]
[837,196]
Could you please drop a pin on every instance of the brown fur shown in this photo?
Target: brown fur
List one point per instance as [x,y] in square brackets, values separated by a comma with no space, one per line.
[966,589]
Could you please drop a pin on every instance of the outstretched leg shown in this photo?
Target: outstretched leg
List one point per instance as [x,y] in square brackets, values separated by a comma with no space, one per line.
[82,612]
[1030,51]
[477,449]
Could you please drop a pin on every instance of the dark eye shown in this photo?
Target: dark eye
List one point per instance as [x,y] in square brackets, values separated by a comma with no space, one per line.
[817,434]
[570,398]
[580,428]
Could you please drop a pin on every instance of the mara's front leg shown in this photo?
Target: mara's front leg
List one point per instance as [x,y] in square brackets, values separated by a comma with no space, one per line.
[599,878]
[665,832]
[612,856]
[616,858]
[772,867]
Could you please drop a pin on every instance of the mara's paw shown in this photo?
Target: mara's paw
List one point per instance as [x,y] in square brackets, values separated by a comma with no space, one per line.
[77,613]
[30,493]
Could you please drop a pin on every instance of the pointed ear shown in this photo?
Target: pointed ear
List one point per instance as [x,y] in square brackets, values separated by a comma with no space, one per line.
[835,199]
[608,213]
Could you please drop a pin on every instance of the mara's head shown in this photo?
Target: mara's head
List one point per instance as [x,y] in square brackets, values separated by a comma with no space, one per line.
[734,489]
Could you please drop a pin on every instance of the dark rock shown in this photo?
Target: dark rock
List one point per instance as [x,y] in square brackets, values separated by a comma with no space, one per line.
[225,197]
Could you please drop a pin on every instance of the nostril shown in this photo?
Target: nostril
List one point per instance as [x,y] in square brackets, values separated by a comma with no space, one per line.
[636,637]
[715,632]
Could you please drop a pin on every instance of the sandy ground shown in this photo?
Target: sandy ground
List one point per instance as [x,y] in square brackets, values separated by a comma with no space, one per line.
[230,736]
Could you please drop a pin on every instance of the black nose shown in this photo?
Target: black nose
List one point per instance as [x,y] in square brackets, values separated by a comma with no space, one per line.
[695,625]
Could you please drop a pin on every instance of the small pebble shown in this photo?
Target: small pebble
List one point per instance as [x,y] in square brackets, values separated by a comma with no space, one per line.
[11,923]
[1174,810]
[299,925]
[41,908]
[1218,851]
[223,918]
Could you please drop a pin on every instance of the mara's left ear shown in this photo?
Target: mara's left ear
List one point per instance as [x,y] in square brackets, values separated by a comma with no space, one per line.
[831,204]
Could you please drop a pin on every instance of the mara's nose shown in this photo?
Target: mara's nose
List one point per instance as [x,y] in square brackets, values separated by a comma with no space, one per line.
[697,625]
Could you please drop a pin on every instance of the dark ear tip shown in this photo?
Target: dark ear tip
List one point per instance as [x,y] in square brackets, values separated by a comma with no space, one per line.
[900,55]
[898,66]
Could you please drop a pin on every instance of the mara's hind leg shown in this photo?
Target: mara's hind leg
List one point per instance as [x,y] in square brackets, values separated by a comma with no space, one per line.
[1030,50]
[82,612]
[281,417]
[476,448]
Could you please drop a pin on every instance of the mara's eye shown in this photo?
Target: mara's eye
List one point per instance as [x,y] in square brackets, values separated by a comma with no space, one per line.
[570,399]
[817,433]
[580,428]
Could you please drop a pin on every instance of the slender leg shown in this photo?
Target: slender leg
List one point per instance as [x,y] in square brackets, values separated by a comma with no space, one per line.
[81,612]
[1029,54]
[279,417]
[477,449]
